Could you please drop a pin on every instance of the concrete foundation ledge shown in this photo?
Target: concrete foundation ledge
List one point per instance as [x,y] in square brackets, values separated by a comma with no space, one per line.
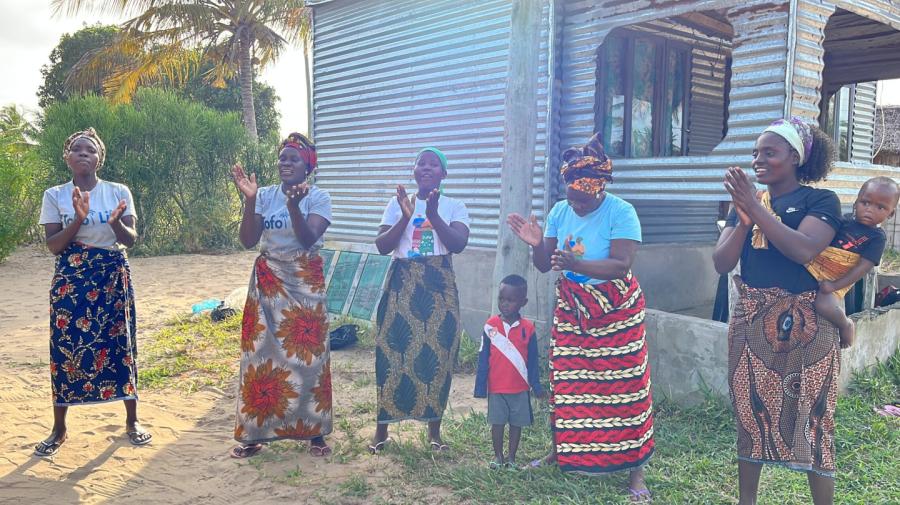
[689,355]
[877,338]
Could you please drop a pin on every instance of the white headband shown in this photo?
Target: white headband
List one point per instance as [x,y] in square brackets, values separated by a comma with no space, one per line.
[788,132]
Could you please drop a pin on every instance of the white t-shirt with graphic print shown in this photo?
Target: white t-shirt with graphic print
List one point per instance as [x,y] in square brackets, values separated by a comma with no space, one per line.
[278,235]
[419,238]
[95,230]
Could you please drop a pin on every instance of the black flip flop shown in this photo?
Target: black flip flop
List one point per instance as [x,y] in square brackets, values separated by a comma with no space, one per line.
[45,450]
[438,447]
[136,437]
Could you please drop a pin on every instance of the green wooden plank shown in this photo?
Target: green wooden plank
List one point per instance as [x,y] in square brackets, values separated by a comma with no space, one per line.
[327,256]
[368,289]
[342,281]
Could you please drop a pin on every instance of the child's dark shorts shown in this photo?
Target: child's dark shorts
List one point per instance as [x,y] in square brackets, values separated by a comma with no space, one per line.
[513,409]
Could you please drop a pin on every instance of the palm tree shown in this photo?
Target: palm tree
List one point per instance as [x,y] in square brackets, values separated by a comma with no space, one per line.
[168,40]
[16,131]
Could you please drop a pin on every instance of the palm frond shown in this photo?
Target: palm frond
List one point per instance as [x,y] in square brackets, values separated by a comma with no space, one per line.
[126,7]
[167,40]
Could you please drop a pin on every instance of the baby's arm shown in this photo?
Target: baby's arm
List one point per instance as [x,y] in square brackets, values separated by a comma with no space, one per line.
[857,272]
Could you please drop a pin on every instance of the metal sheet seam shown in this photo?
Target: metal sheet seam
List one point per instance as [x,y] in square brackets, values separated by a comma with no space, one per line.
[791,58]
[310,55]
[549,170]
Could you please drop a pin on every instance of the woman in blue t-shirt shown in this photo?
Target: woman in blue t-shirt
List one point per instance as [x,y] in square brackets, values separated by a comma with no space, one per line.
[598,360]
[783,361]
[284,388]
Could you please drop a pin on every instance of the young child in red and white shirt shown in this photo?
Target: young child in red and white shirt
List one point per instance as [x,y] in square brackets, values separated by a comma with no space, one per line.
[508,369]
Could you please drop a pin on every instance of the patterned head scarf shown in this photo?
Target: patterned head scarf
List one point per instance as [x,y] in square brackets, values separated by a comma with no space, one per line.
[437,152]
[587,169]
[797,133]
[306,148]
[92,136]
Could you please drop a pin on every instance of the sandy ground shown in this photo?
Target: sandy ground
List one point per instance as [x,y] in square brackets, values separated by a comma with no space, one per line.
[187,462]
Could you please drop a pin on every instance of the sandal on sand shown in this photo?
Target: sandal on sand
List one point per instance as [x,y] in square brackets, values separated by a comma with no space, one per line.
[139,437]
[320,451]
[376,448]
[640,496]
[438,447]
[245,451]
[45,449]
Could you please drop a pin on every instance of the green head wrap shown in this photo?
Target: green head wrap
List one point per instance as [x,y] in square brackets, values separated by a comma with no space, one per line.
[437,152]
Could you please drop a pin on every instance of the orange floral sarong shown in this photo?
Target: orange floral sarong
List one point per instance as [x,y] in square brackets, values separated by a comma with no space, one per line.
[284,389]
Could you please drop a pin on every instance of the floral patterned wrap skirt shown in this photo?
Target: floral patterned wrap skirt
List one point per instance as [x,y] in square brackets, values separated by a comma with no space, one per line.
[93,347]
[284,391]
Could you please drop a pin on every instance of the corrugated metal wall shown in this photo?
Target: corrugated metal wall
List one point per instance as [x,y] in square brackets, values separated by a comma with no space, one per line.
[677,198]
[863,123]
[812,16]
[393,76]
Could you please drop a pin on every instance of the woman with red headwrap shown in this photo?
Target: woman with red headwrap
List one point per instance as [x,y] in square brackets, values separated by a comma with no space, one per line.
[600,379]
[284,391]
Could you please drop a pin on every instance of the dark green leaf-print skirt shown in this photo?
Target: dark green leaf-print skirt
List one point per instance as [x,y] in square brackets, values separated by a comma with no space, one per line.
[417,340]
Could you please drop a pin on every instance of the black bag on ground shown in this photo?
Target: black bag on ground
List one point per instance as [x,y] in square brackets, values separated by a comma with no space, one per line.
[887,296]
[221,312]
[343,336]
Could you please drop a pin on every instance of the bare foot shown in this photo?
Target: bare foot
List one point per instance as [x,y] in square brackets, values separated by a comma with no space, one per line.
[637,489]
[848,334]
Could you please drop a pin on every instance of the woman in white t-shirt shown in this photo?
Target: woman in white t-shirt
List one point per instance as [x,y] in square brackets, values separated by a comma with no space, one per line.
[89,223]
[418,316]
[284,391]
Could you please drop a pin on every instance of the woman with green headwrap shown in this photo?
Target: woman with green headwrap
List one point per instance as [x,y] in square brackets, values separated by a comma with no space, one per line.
[418,316]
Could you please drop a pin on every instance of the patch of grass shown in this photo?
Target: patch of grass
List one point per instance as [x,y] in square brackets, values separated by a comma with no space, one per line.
[890,261]
[191,353]
[364,380]
[356,487]
[468,354]
[694,463]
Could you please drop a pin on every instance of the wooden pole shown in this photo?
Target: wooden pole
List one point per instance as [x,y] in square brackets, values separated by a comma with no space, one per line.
[520,130]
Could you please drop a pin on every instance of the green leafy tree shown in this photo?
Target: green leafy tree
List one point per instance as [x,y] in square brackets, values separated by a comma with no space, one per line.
[64,57]
[228,99]
[73,47]
[21,171]
[172,39]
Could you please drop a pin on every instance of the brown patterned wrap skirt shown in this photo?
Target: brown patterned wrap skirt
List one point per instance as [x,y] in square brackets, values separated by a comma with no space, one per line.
[783,366]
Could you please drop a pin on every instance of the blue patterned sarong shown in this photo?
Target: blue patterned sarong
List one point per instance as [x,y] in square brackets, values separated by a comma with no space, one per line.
[93,344]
